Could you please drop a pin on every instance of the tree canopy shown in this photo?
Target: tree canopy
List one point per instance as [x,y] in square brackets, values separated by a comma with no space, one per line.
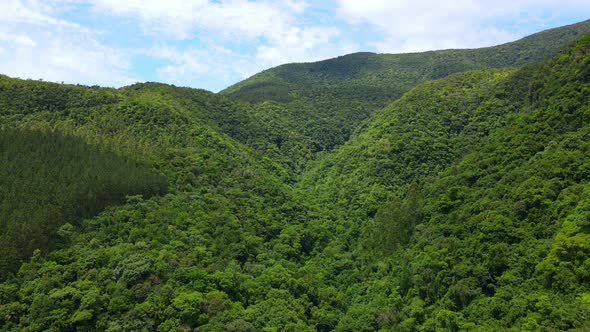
[463,204]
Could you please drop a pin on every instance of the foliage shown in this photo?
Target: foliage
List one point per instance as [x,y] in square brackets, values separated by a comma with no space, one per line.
[462,205]
[48,180]
[502,161]
[326,101]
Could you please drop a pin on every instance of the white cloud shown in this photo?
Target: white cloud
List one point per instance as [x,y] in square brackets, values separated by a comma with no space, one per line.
[185,65]
[17,39]
[304,44]
[418,25]
[212,44]
[34,12]
[43,46]
[234,38]
[196,66]
[181,18]
[226,40]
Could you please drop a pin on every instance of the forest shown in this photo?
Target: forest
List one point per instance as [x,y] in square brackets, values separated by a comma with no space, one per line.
[436,191]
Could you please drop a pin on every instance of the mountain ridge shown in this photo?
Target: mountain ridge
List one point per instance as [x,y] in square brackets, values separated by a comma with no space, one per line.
[564,34]
[327,100]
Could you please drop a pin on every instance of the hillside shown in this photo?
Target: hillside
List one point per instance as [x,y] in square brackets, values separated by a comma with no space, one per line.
[485,175]
[223,209]
[461,205]
[48,180]
[388,76]
[327,100]
[78,141]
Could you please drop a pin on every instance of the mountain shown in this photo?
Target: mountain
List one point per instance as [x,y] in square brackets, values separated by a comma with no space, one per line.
[461,205]
[78,145]
[369,77]
[222,206]
[328,99]
[49,179]
[466,200]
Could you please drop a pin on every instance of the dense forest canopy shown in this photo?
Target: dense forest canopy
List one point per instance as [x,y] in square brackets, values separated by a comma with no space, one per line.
[440,191]
[48,180]
[326,101]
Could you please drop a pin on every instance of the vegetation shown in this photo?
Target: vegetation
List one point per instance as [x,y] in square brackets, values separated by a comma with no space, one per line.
[48,180]
[371,77]
[501,158]
[327,100]
[462,205]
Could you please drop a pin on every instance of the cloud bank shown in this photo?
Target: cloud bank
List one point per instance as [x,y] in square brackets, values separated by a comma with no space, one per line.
[212,44]
[420,25]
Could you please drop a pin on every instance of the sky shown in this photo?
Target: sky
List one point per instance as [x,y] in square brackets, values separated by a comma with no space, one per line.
[212,44]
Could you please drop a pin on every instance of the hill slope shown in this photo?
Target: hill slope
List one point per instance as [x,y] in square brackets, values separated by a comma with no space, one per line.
[223,210]
[327,100]
[466,202]
[166,131]
[354,76]
[463,205]
[49,179]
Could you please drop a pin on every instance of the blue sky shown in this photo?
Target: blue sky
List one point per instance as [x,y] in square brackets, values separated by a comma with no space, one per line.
[213,44]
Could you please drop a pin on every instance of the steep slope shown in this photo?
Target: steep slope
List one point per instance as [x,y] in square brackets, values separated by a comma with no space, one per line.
[48,179]
[327,100]
[352,77]
[493,233]
[262,127]
[221,209]
[417,136]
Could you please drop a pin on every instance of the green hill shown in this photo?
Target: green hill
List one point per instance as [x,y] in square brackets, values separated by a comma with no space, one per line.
[466,202]
[327,100]
[78,146]
[48,180]
[461,205]
[223,209]
[370,77]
